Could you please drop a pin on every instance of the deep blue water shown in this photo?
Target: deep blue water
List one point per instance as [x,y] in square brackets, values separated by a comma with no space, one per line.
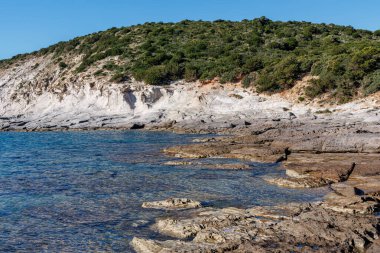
[82,191]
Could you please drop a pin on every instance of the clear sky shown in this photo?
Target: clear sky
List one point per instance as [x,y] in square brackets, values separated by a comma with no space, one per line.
[28,25]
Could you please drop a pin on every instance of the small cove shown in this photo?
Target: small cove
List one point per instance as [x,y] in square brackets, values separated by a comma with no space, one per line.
[82,191]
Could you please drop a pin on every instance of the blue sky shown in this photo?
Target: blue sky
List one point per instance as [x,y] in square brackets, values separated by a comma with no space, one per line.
[28,25]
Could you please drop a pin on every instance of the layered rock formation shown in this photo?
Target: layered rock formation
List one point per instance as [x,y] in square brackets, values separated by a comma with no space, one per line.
[35,94]
[343,154]
[290,228]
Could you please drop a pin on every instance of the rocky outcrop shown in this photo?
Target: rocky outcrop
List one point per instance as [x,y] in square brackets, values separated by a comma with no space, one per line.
[343,222]
[315,170]
[340,155]
[36,94]
[313,166]
[295,228]
[172,203]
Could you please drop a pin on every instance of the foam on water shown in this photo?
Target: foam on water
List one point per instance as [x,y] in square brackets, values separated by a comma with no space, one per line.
[82,191]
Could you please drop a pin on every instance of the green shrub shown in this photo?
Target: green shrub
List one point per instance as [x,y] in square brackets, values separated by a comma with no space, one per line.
[229,76]
[119,77]
[253,64]
[156,75]
[191,73]
[372,83]
[269,54]
[99,73]
[62,65]
[320,86]
[281,76]
[249,79]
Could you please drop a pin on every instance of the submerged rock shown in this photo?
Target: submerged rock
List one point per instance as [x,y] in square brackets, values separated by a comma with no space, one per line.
[139,223]
[227,166]
[178,163]
[173,203]
[217,166]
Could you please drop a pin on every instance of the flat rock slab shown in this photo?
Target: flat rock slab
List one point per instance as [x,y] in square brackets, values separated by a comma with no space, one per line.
[354,204]
[218,166]
[332,167]
[173,203]
[250,152]
[290,182]
[346,190]
[368,185]
[227,166]
[288,228]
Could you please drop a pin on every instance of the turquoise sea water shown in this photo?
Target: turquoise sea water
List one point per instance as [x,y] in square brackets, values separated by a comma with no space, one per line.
[82,191]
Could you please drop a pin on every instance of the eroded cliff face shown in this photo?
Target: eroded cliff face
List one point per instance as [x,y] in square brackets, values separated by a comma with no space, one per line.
[37,93]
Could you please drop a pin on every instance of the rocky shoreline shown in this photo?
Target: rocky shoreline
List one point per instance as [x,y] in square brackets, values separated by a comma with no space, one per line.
[343,155]
[317,143]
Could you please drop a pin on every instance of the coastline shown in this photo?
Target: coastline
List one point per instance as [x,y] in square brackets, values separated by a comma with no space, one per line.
[344,157]
[314,153]
[285,155]
[316,146]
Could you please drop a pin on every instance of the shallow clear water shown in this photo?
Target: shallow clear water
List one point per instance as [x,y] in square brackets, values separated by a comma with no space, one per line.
[82,191]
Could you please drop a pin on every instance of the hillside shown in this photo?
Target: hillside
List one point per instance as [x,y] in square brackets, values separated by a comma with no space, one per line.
[267,55]
[271,104]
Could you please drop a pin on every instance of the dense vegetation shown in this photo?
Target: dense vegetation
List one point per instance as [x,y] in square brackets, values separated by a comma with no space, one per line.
[269,55]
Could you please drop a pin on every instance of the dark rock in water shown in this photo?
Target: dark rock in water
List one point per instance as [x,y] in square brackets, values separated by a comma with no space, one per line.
[137,126]
[247,123]
[292,115]
[232,125]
